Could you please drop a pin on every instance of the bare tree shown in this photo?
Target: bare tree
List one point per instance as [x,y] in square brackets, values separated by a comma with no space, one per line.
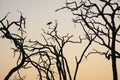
[18,40]
[54,44]
[50,54]
[100,20]
[43,65]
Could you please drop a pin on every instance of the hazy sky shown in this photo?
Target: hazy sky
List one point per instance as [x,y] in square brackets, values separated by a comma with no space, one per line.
[38,13]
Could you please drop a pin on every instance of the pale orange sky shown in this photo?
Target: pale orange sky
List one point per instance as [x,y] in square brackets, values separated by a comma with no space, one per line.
[38,13]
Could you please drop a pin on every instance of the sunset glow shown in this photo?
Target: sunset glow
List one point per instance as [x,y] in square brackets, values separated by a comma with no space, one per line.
[38,13]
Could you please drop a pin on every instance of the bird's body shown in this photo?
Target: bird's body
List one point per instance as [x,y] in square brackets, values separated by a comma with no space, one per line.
[49,23]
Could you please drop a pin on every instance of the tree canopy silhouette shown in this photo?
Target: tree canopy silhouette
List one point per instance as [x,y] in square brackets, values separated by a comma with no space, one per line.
[99,19]
[50,56]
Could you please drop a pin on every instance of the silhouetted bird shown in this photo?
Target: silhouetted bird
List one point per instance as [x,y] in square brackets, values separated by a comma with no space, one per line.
[49,23]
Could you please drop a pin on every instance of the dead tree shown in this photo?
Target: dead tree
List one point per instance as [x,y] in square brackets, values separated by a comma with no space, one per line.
[16,39]
[49,54]
[55,45]
[26,53]
[100,19]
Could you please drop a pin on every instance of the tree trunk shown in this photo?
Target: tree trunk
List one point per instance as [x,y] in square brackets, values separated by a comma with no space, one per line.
[114,67]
